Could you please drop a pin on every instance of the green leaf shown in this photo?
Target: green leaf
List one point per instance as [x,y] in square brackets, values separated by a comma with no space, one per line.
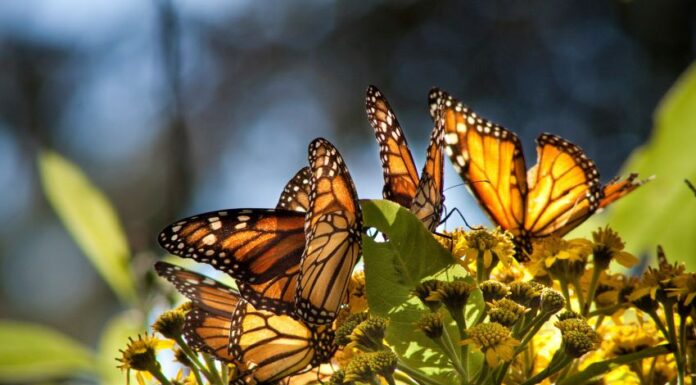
[664,210]
[90,219]
[31,352]
[394,268]
[597,369]
[113,338]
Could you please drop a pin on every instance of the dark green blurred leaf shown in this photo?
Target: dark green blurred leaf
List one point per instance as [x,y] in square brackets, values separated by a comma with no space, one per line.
[393,269]
[592,372]
[90,219]
[33,352]
[664,210]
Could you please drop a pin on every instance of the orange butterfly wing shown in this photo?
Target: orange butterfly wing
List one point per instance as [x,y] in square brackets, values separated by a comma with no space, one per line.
[333,232]
[428,201]
[295,196]
[204,292]
[252,245]
[209,333]
[564,188]
[617,189]
[490,159]
[275,346]
[400,174]
[278,293]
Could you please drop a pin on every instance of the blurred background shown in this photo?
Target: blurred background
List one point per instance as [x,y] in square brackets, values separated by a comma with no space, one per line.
[172,107]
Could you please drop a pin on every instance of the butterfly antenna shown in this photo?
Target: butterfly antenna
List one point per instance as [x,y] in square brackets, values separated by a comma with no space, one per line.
[451,187]
[449,214]
[690,185]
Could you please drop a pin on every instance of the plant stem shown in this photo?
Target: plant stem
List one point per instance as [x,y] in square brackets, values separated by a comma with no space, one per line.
[452,355]
[210,363]
[403,377]
[416,375]
[593,288]
[197,365]
[461,326]
[678,354]
[566,293]
[160,377]
[550,370]
[224,373]
[578,293]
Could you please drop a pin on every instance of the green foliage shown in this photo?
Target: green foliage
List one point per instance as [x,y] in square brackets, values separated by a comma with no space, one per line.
[90,219]
[113,338]
[664,210]
[31,352]
[394,268]
[597,369]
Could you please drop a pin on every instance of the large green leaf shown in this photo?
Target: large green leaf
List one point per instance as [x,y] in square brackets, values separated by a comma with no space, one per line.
[393,268]
[664,210]
[90,219]
[31,352]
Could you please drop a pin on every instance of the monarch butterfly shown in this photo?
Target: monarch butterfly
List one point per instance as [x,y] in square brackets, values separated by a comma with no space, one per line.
[423,196]
[268,345]
[261,248]
[264,249]
[552,198]
[333,236]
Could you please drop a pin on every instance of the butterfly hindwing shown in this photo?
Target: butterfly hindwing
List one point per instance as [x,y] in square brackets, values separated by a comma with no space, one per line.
[204,292]
[275,346]
[209,333]
[400,174]
[333,231]
[564,187]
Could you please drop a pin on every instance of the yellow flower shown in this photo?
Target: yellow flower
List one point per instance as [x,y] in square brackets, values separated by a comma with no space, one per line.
[607,246]
[684,288]
[357,302]
[491,246]
[141,354]
[494,340]
[559,257]
[629,338]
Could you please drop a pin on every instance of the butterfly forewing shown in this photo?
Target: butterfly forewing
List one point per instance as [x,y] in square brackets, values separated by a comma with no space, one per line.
[333,231]
[428,201]
[253,245]
[490,159]
[295,196]
[204,292]
[400,174]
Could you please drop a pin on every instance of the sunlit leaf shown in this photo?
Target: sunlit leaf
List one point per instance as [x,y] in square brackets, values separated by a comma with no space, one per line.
[393,269]
[113,338]
[30,352]
[90,219]
[664,210]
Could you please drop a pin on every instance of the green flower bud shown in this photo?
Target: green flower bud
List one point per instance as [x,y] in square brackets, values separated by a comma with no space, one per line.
[170,323]
[425,291]
[349,324]
[369,334]
[506,312]
[551,301]
[493,290]
[431,325]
